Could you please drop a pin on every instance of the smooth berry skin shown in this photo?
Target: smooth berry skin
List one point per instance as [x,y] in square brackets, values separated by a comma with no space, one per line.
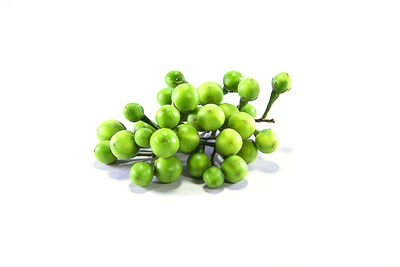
[123,145]
[267,141]
[192,119]
[142,137]
[164,143]
[185,97]
[211,117]
[188,136]
[164,96]
[281,82]
[142,124]
[213,177]
[108,128]
[103,153]
[133,112]
[249,151]
[251,110]
[167,117]
[197,163]
[248,89]
[168,170]
[232,80]
[174,78]
[243,123]
[141,174]
[228,142]
[234,169]
[229,110]
[210,93]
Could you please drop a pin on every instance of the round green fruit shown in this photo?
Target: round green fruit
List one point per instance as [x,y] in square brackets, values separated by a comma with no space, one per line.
[249,109]
[234,169]
[168,170]
[232,80]
[185,97]
[167,116]
[164,96]
[243,123]
[188,136]
[267,141]
[108,128]
[192,119]
[213,177]
[142,124]
[210,93]
[228,142]
[174,78]
[249,151]
[281,82]
[123,145]
[141,174]
[103,153]
[248,89]
[197,163]
[164,143]
[133,112]
[229,110]
[142,137]
[211,117]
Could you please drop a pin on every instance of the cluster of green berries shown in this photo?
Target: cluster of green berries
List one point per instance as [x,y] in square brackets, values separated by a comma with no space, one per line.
[188,120]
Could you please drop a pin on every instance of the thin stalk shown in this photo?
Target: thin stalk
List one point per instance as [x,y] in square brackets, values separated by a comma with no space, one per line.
[242,103]
[274,96]
[262,120]
[150,122]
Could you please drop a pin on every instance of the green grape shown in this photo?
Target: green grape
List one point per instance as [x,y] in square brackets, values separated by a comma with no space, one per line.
[210,93]
[248,89]
[213,177]
[232,80]
[142,137]
[142,124]
[164,96]
[197,163]
[192,119]
[228,142]
[249,151]
[211,117]
[168,170]
[267,141]
[174,78]
[229,110]
[141,173]
[133,112]
[234,169]
[167,116]
[243,123]
[108,128]
[103,153]
[123,145]
[281,82]
[185,97]
[164,143]
[249,109]
[188,136]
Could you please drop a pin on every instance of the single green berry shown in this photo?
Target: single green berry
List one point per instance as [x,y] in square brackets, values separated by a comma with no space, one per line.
[133,112]
[228,142]
[243,123]
[164,143]
[168,170]
[174,78]
[249,151]
[232,80]
[103,153]
[213,177]
[142,124]
[211,117]
[267,141]
[234,169]
[185,97]
[248,89]
[197,163]
[167,116]
[164,96]
[281,82]
[188,136]
[249,109]
[123,145]
[142,137]
[229,110]
[192,119]
[141,173]
[108,128]
[210,93]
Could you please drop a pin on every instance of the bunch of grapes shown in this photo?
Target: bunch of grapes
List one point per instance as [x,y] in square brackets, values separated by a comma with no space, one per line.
[188,120]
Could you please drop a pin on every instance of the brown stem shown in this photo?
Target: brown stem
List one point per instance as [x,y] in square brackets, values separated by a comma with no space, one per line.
[264,120]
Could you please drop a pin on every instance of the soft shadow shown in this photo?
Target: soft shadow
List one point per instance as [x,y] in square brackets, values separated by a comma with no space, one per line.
[213,191]
[264,165]
[118,170]
[286,150]
[137,189]
[237,186]
[164,188]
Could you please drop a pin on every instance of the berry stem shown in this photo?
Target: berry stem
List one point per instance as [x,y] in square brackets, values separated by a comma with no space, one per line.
[242,103]
[150,122]
[274,96]
[262,120]
[144,154]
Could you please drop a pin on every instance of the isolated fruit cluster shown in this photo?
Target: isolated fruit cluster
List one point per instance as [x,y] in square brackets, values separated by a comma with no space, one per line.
[188,120]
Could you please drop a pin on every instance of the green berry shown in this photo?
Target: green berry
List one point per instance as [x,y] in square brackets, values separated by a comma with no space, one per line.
[213,177]
[249,109]
[174,78]
[164,143]
[211,117]
[197,163]
[232,80]
[141,173]
[229,110]
[249,151]
[248,89]
[142,124]
[133,112]
[164,96]
[108,128]
[210,93]
[192,119]
[188,136]
[243,123]
[267,141]
[228,142]
[103,153]
[167,116]
[281,82]
[234,169]
[123,145]
[185,97]
[168,170]
[142,137]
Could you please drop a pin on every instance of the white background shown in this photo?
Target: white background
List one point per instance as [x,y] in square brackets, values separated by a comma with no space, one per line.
[329,196]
